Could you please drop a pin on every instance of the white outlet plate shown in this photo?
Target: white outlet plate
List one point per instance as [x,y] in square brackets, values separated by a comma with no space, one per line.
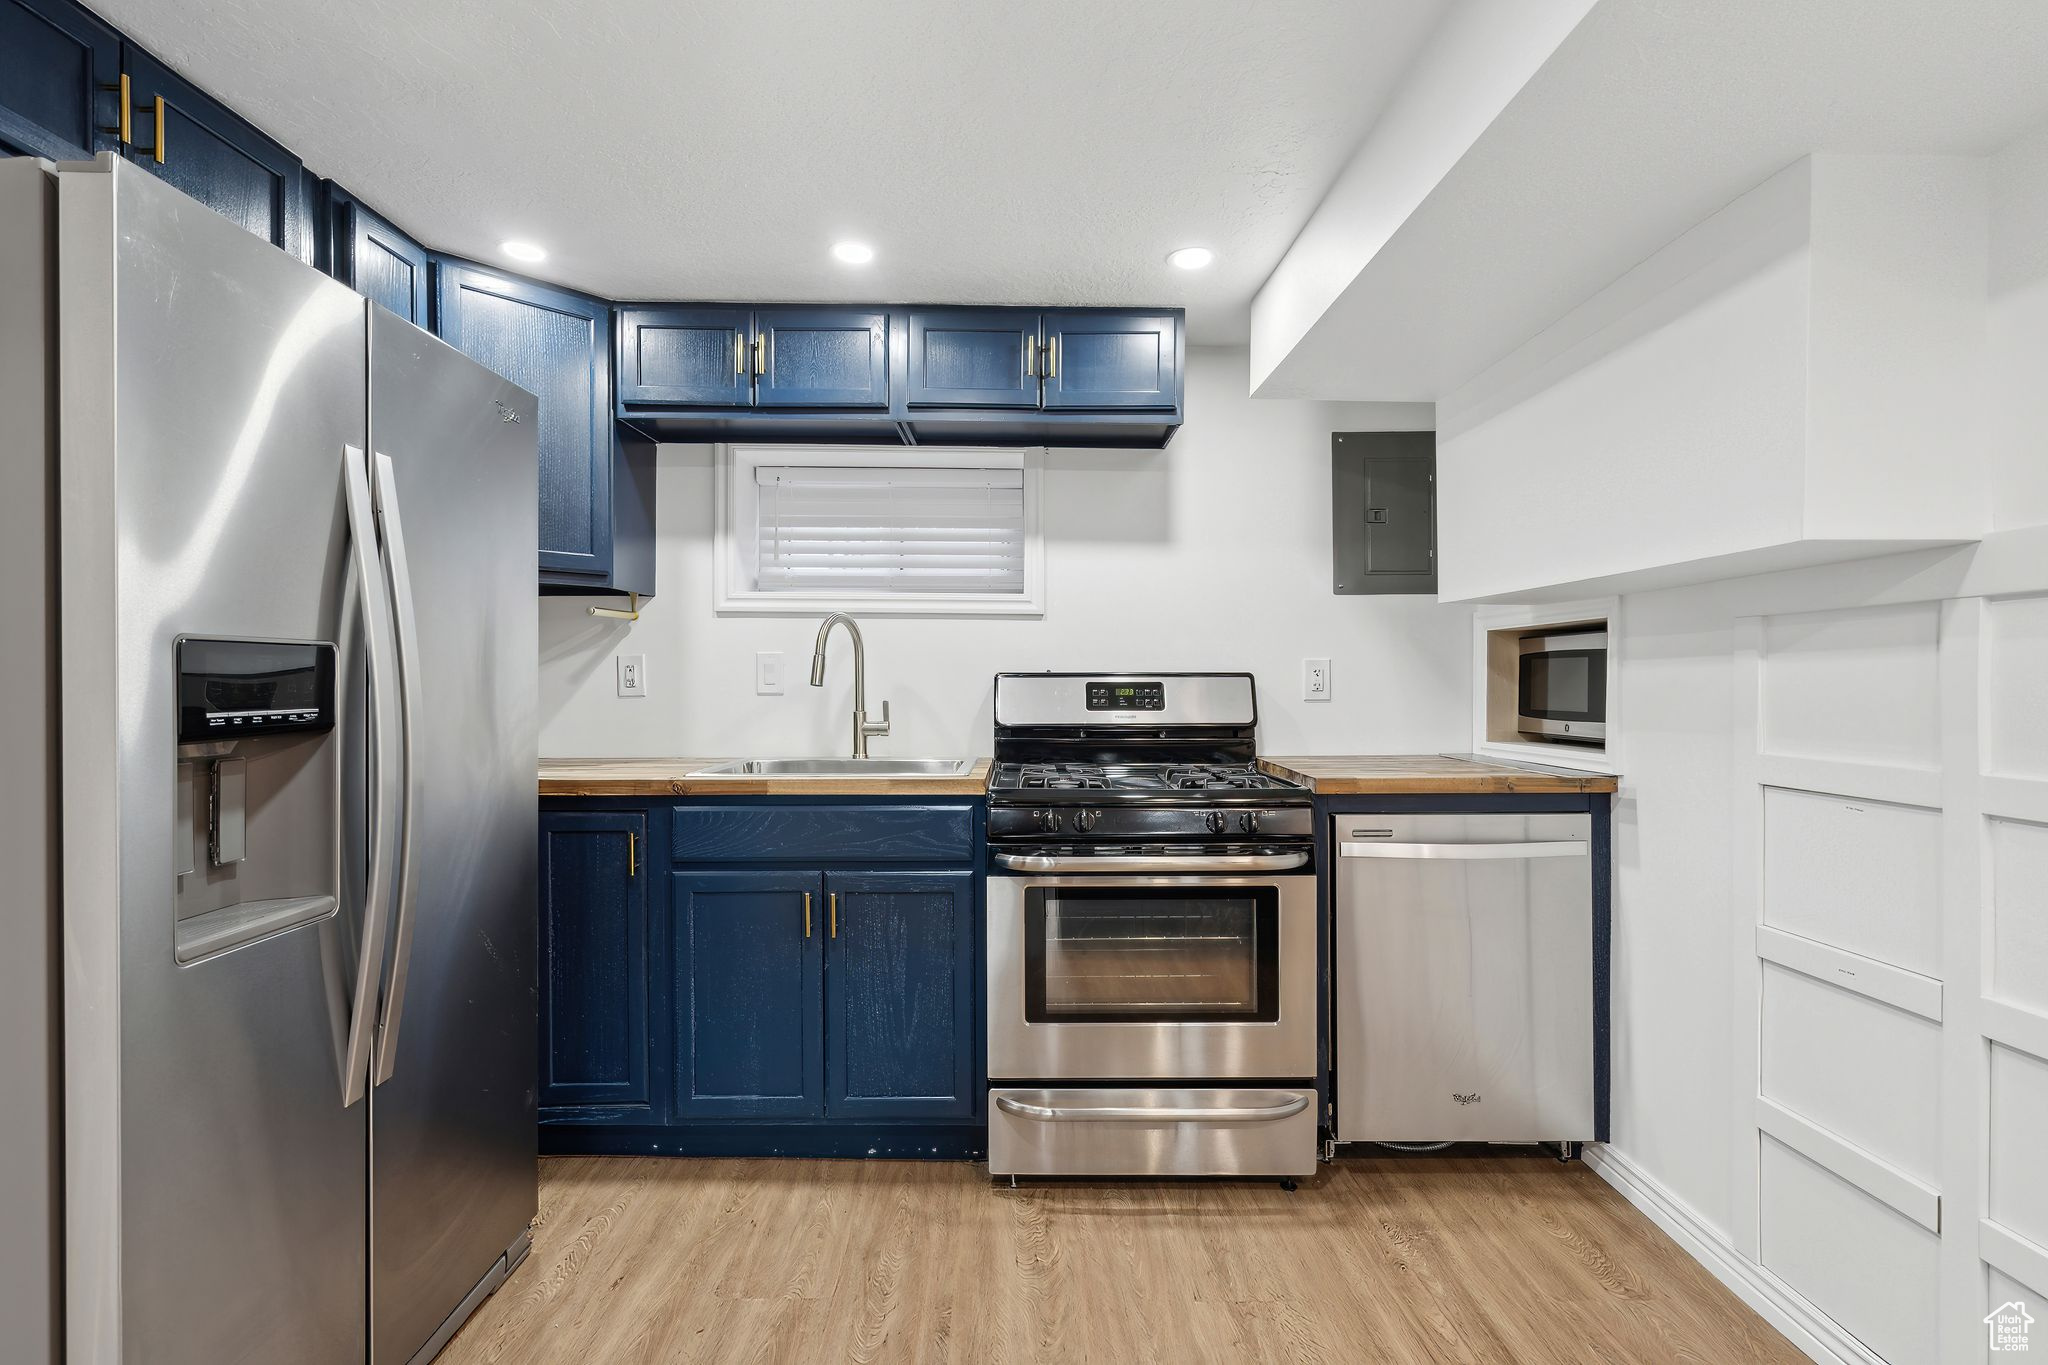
[1315,680]
[768,673]
[632,675]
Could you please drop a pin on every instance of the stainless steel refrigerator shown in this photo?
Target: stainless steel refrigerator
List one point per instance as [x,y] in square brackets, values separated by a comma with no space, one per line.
[271,643]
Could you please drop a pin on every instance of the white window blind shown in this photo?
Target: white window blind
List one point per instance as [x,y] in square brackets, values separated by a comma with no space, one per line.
[938,531]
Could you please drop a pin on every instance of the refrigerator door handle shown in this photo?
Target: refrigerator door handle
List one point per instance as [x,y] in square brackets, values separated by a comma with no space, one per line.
[385,492]
[369,968]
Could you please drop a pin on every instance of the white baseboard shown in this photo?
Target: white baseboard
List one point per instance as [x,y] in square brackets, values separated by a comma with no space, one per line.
[1804,1325]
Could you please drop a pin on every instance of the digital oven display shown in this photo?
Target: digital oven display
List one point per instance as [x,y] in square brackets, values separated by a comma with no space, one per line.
[1126,696]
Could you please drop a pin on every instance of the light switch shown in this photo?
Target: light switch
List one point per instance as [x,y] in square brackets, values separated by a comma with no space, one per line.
[768,673]
[632,675]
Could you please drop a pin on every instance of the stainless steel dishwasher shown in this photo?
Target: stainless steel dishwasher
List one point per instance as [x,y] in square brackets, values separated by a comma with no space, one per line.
[1463,978]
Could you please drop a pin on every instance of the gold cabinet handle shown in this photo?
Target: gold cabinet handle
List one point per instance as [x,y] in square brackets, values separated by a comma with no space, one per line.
[1052,357]
[761,353]
[1031,357]
[834,912]
[807,914]
[632,854]
[739,352]
[126,124]
[158,150]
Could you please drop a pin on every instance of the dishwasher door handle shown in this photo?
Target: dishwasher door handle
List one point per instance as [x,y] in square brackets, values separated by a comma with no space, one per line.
[1115,1113]
[1559,848]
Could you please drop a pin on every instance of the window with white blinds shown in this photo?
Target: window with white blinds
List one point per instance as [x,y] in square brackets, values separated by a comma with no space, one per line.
[932,530]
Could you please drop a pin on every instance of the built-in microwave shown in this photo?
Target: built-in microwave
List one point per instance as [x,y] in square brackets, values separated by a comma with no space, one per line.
[1562,692]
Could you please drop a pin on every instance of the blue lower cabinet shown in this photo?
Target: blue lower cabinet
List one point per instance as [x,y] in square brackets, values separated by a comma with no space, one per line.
[593,952]
[747,954]
[899,995]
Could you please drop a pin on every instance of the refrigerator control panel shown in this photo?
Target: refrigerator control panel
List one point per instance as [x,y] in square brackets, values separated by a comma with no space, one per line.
[241,689]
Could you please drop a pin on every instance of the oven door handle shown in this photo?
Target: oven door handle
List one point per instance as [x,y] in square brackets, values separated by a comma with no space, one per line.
[1198,862]
[1118,1113]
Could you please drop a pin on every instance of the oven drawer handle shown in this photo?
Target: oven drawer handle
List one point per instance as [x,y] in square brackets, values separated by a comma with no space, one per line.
[1114,1113]
[1214,862]
[1561,848]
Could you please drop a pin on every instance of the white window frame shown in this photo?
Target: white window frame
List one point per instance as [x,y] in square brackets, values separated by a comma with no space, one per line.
[735,494]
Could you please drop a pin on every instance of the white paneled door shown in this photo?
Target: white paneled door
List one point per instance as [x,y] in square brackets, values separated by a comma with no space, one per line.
[1891,1143]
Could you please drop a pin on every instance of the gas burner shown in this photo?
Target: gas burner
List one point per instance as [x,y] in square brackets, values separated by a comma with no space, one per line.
[1135,778]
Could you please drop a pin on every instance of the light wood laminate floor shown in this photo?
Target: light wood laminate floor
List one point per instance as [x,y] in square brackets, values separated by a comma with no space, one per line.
[1405,1260]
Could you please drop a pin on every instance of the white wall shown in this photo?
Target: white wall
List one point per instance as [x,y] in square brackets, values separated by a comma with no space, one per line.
[2018,331]
[1798,379]
[1692,845]
[1211,554]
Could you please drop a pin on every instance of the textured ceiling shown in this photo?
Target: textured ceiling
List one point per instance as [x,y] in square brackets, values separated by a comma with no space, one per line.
[1051,151]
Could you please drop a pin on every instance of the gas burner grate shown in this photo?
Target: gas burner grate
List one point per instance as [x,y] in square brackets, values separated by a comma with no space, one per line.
[1175,777]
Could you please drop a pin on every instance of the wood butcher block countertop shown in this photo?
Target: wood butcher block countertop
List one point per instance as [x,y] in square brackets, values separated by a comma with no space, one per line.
[671,777]
[1429,774]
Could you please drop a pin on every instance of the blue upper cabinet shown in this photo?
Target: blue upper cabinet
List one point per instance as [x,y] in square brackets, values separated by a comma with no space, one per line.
[593,951]
[60,81]
[377,260]
[897,376]
[899,995]
[1100,360]
[821,358]
[741,358]
[686,357]
[555,345]
[972,358]
[189,138]
[747,951]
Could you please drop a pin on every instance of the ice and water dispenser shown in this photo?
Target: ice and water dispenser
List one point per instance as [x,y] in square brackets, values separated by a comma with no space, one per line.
[257,842]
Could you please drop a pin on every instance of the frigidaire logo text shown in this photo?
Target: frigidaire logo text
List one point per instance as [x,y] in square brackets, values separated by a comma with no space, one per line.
[1472,1098]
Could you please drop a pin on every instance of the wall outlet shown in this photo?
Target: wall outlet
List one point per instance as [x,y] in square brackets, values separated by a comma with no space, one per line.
[632,675]
[768,673]
[1315,679]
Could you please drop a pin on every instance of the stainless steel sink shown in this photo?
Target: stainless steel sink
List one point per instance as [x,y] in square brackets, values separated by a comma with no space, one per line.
[840,767]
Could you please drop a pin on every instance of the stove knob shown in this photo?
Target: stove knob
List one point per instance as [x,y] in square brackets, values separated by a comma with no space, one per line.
[1249,822]
[1049,821]
[1085,820]
[1216,822]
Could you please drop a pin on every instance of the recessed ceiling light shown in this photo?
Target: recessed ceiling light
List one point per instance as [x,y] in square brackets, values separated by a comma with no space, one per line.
[853,253]
[1190,257]
[523,251]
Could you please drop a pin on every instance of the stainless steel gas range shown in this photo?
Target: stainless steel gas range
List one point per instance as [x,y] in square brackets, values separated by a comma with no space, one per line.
[1152,934]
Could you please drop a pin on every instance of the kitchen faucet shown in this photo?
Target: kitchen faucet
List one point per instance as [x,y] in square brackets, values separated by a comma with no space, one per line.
[862,726]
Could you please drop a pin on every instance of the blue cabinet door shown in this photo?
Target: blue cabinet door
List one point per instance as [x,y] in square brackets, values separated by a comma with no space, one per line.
[747,953]
[378,261]
[822,358]
[60,81]
[899,997]
[686,357]
[211,154]
[1112,360]
[593,956]
[556,345]
[972,358]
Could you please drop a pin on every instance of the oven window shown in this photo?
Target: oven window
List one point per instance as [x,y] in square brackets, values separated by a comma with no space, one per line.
[1104,954]
[1565,685]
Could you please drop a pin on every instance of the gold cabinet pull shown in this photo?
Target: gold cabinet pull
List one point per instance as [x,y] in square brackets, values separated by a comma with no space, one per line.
[761,342]
[739,352]
[158,150]
[1031,357]
[126,120]
[807,914]
[834,912]
[632,854]
[1052,357]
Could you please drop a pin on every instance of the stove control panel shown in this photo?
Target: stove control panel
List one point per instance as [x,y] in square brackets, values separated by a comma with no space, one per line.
[1122,695]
